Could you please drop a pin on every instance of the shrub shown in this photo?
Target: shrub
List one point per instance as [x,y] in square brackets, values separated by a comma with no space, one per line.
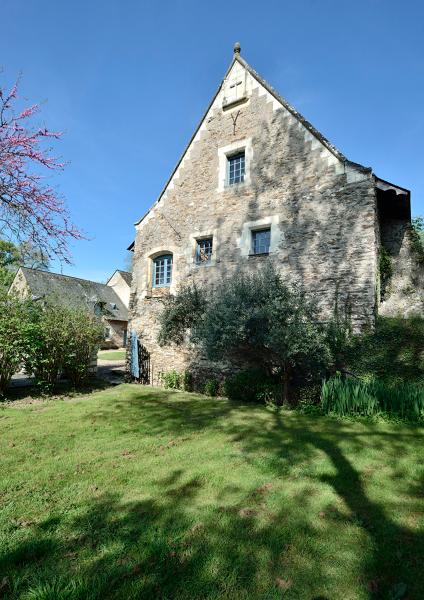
[84,333]
[252,319]
[392,351]
[187,381]
[417,238]
[353,396]
[211,387]
[171,380]
[17,328]
[385,269]
[252,386]
[65,340]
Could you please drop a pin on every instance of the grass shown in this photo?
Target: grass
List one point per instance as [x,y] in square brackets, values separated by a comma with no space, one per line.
[111,355]
[136,492]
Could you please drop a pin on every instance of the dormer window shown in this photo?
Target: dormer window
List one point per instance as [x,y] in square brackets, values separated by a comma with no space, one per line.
[235,90]
[162,271]
[236,168]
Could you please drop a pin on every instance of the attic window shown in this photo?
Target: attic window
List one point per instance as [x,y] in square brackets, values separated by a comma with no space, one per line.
[113,305]
[235,90]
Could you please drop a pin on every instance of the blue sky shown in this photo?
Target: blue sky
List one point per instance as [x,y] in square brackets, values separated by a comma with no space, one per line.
[128,81]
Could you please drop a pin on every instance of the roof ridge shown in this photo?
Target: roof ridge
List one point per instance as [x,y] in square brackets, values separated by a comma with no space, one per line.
[320,137]
[63,275]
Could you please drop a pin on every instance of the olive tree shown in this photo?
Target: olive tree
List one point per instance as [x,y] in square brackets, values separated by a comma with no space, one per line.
[256,319]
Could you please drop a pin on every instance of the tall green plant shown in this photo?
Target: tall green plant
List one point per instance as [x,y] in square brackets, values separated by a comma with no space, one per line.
[65,341]
[17,330]
[353,396]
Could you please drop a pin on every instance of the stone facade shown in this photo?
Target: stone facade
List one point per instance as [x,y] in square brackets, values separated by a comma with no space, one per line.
[321,209]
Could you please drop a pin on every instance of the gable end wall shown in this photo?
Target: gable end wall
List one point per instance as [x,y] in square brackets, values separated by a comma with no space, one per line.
[322,210]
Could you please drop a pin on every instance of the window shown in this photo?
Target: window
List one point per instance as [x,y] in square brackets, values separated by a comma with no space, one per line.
[107,333]
[204,251]
[162,271]
[236,168]
[260,241]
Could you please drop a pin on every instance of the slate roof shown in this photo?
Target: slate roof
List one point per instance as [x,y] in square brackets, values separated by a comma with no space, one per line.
[126,276]
[76,292]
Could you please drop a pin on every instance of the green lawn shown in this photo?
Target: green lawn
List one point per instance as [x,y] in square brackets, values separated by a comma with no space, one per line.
[111,355]
[132,492]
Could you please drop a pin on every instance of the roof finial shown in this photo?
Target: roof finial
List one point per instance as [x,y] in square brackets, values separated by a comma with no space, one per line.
[237,48]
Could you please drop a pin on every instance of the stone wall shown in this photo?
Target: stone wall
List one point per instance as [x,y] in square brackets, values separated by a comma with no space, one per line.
[405,292]
[116,337]
[323,211]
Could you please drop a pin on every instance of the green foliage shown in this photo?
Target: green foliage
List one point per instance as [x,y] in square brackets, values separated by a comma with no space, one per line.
[180,313]
[186,381]
[338,335]
[140,493]
[65,340]
[17,318]
[254,319]
[252,385]
[171,380]
[417,238]
[211,387]
[84,334]
[392,351]
[355,397]
[385,268]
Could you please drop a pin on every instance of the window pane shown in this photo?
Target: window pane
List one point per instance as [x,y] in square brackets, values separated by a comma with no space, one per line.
[236,168]
[204,251]
[162,271]
[260,241]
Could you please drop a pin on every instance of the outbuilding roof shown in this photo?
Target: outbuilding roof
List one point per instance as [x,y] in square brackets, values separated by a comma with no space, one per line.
[76,292]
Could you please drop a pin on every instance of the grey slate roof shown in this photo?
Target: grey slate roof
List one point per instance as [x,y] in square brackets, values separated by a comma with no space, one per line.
[75,292]
[126,275]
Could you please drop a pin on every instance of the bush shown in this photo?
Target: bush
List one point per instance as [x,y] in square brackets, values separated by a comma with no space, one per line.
[211,387]
[65,340]
[356,397]
[84,334]
[252,319]
[392,351]
[187,381]
[17,328]
[252,386]
[171,380]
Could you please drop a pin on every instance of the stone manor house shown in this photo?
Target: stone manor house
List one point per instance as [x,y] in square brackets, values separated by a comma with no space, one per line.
[258,183]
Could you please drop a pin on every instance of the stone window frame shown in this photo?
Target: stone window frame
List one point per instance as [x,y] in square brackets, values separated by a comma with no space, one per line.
[245,240]
[224,153]
[155,253]
[203,235]
[168,259]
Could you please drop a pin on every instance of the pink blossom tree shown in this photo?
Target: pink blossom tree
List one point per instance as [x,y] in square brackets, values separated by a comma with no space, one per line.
[30,209]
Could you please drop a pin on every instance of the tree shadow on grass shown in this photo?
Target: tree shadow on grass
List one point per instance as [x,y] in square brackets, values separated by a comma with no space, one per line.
[160,547]
[156,549]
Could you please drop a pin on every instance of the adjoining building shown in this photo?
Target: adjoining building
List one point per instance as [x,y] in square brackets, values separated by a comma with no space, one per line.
[109,301]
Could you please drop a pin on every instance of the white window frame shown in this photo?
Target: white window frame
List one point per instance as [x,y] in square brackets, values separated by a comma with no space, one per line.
[224,153]
[245,241]
[192,252]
